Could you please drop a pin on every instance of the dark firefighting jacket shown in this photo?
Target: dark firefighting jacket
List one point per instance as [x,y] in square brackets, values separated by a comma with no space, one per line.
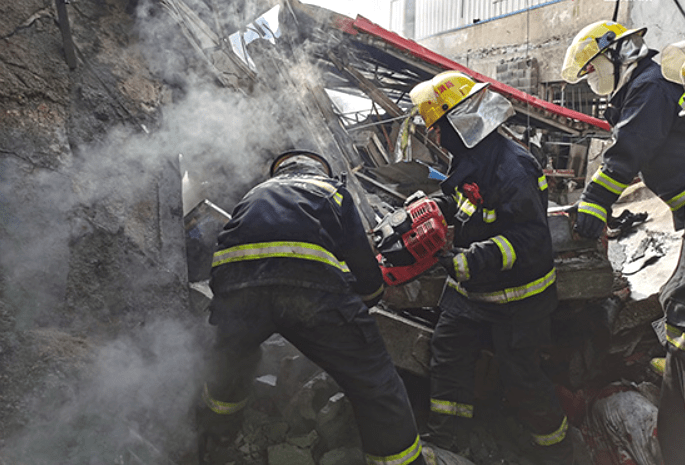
[299,230]
[648,138]
[503,231]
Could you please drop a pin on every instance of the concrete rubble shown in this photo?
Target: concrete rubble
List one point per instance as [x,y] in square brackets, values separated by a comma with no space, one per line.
[121,288]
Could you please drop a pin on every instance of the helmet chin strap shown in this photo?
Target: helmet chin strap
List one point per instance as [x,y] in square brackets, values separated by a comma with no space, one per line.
[614,56]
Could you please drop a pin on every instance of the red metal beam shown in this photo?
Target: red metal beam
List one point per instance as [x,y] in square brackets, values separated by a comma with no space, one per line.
[364,25]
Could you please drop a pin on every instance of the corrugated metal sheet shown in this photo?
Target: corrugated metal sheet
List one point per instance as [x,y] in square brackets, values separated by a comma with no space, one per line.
[438,16]
[397,15]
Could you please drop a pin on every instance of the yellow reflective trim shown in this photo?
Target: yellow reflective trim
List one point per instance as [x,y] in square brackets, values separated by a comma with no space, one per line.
[658,365]
[542,182]
[375,294]
[511,294]
[489,216]
[452,408]
[608,182]
[677,201]
[552,438]
[681,101]
[593,209]
[467,207]
[463,203]
[222,408]
[302,250]
[338,198]
[406,456]
[508,252]
[461,267]
[323,184]
[675,337]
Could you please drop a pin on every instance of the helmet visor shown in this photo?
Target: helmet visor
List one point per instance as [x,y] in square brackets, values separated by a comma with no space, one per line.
[577,57]
[479,115]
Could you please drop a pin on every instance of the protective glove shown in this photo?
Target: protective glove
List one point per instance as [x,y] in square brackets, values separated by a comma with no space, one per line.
[456,263]
[588,226]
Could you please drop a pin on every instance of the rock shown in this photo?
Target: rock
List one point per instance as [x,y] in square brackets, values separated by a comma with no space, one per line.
[336,423]
[343,456]
[287,454]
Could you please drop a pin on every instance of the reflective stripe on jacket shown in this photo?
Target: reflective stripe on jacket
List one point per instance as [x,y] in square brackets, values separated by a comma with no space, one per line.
[300,230]
[648,139]
[507,239]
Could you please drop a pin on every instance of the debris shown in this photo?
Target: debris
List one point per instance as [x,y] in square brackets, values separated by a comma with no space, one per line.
[434,455]
[624,223]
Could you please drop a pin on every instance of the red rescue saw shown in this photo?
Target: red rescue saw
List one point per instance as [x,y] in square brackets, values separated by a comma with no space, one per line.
[410,239]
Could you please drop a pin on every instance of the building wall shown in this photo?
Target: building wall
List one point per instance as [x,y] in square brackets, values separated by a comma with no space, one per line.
[541,33]
[664,21]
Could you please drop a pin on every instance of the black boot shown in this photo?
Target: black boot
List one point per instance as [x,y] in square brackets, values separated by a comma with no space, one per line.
[449,432]
[560,453]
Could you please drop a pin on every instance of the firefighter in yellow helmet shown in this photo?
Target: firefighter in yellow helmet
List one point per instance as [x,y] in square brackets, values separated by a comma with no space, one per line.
[501,287]
[649,142]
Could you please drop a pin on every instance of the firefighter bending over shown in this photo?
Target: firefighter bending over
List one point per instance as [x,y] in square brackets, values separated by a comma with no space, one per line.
[502,283]
[295,260]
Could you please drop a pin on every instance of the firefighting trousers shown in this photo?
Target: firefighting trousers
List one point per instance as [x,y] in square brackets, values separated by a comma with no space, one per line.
[671,416]
[456,347]
[336,332]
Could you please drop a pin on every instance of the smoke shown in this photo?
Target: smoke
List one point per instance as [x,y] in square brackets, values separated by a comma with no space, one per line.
[135,404]
[113,255]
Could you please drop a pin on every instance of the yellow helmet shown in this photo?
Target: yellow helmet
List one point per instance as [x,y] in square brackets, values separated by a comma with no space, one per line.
[591,41]
[673,62]
[445,91]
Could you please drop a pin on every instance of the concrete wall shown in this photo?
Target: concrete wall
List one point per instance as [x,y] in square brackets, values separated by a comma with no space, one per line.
[664,21]
[543,33]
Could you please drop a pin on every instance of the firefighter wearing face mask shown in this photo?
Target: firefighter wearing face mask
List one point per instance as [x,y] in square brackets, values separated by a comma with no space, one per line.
[648,137]
[671,417]
[501,287]
[649,140]
[295,259]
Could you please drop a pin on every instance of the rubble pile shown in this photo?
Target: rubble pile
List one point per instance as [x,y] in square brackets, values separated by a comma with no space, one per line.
[122,153]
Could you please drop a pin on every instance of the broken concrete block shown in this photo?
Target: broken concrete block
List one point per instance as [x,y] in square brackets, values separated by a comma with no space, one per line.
[336,424]
[407,341]
[302,409]
[276,432]
[287,454]
[305,442]
[584,277]
[343,456]
[294,372]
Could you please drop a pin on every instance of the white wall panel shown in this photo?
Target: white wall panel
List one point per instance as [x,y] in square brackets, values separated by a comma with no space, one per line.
[438,16]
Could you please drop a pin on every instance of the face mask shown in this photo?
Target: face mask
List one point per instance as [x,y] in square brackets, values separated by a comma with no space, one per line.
[601,80]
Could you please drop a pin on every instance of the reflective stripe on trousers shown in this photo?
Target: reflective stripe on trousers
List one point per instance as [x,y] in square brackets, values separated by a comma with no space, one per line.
[676,202]
[222,408]
[406,456]
[675,337]
[552,438]
[447,407]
